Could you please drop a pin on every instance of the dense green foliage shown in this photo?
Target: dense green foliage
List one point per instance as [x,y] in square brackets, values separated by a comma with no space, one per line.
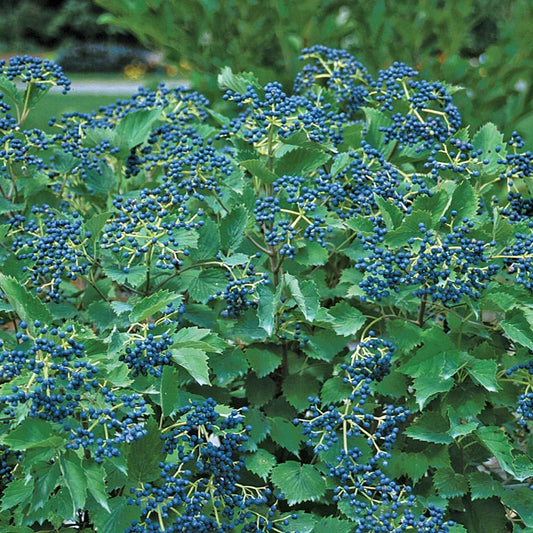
[444,40]
[312,316]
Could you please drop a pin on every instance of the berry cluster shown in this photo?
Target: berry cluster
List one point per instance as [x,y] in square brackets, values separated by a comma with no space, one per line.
[148,354]
[444,267]
[52,248]
[523,375]
[43,73]
[202,491]
[519,259]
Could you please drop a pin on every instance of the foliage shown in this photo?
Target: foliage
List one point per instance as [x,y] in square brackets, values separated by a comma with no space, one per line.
[482,45]
[314,315]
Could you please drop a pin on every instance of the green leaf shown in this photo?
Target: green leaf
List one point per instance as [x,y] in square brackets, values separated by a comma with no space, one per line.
[145,454]
[27,306]
[415,465]
[312,254]
[194,361]
[299,483]
[205,283]
[17,493]
[259,391]
[391,213]
[332,524]
[101,314]
[259,170]
[285,433]
[483,486]
[488,138]
[335,390]
[427,386]
[100,179]
[520,500]
[135,127]
[74,479]
[261,463]
[237,82]
[483,372]
[436,204]
[228,366]
[449,484]
[408,228]
[33,433]
[298,387]
[134,275]
[266,308]
[430,427]
[168,390]
[232,229]
[403,334]
[465,201]
[152,304]
[347,320]
[301,162]
[517,328]
[480,513]
[208,241]
[9,89]
[96,486]
[119,518]
[263,361]
[376,120]
[324,345]
[203,339]
[305,295]
[498,444]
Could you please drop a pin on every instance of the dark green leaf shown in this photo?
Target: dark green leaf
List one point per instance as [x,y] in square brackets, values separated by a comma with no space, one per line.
[33,433]
[392,215]
[408,228]
[74,479]
[135,127]
[331,524]
[145,454]
[297,388]
[205,283]
[347,320]
[430,427]
[285,433]
[299,483]
[484,372]
[134,275]
[96,485]
[520,500]
[263,361]
[259,170]
[119,517]
[479,513]
[488,138]
[194,361]
[498,444]
[301,162]
[483,486]
[259,391]
[266,309]
[232,229]
[335,390]
[305,295]
[465,201]
[449,484]
[228,366]
[261,463]
[517,328]
[17,493]
[152,304]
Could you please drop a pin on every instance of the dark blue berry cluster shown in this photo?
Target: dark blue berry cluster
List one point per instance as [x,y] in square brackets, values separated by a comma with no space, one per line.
[523,375]
[52,248]
[518,258]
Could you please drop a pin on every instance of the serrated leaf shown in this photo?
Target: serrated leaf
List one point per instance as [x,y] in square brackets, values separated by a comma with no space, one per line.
[305,295]
[133,276]
[232,229]
[465,201]
[266,308]
[74,479]
[427,386]
[479,513]
[430,427]
[17,493]
[298,482]
[520,499]
[408,228]
[335,390]
[259,391]
[228,366]
[298,387]
[203,339]
[498,444]
[261,463]
[414,465]
[285,433]
[449,484]
[483,486]
[208,241]
[341,161]
[152,304]
[300,162]
[324,344]
[96,486]
[236,82]
[27,306]
[263,361]
[205,284]
[332,524]
[404,335]
[483,372]
[312,254]
[391,213]
[257,168]
[488,138]
[517,328]
[168,390]
[33,433]
[101,314]
[375,121]
[145,454]
[347,320]
[119,518]
[135,127]
[194,361]
[437,204]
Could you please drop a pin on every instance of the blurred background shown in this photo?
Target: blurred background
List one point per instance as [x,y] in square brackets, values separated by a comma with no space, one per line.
[483,46]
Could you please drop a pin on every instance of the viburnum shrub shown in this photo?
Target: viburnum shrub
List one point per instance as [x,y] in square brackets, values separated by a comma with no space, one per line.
[313,315]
